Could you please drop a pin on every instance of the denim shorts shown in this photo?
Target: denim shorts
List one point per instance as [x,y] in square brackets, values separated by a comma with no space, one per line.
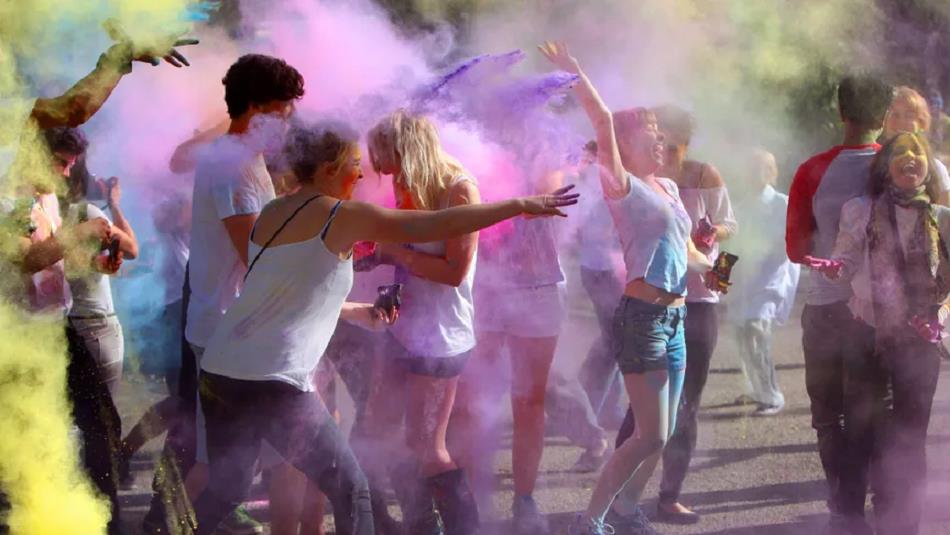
[648,337]
[442,367]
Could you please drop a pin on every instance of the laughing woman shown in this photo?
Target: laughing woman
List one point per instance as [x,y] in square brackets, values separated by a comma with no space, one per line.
[649,343]
[892,246]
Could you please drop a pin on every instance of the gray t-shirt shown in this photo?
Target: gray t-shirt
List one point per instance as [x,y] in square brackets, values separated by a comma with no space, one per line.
[92,293]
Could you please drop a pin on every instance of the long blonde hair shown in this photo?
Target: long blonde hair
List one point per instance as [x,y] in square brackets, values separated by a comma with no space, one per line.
[425,169]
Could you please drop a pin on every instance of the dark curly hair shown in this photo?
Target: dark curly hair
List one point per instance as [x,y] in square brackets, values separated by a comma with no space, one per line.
[307,147]
[863,100]
[259,79]
[881,167]
[66,140]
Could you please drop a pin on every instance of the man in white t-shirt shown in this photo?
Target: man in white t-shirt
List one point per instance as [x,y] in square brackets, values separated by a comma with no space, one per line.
[232,185]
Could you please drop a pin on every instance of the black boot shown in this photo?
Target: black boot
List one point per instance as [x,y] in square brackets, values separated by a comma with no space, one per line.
[455,501]
[418,510]
[382,522]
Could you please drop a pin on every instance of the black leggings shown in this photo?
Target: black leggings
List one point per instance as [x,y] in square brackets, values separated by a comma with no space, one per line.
[239,414]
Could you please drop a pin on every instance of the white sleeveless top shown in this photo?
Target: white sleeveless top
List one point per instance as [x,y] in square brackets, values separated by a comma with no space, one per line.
[436,320]
[279,327]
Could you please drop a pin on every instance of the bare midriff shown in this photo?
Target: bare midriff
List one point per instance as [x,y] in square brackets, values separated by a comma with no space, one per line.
[640,289]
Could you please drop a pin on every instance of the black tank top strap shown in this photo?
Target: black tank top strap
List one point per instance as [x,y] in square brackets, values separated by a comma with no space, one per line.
[326,226]
[280,228]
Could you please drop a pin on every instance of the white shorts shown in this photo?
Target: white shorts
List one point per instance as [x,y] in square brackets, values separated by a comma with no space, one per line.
[531,312]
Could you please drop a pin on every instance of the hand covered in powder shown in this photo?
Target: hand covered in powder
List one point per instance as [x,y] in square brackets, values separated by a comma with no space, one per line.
[154,52]
[928,328]
[827,267]
[558,54]
[550,204]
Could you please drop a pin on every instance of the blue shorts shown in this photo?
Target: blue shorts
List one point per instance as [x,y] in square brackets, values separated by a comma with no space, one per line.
[648,337]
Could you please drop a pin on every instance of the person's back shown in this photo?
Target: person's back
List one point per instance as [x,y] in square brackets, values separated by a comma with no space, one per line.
[838,175]
[230,179]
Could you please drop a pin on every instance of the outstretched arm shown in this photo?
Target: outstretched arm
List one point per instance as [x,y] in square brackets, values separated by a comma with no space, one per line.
[613,178]
[358,221]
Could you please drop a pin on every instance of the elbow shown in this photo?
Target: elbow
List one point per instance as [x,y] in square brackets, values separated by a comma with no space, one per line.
[79,112]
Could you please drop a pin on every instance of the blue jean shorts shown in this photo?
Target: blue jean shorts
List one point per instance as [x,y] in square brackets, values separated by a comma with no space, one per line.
[648,337]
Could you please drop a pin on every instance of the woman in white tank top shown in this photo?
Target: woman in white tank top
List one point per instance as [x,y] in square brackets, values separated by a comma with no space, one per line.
[255,373]
[431,343]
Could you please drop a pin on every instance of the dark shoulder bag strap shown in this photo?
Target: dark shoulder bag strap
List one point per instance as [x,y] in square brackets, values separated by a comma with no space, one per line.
[280,228]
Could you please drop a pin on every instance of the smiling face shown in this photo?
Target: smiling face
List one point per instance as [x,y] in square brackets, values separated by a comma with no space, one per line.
[640,145]
[908,164]
[351,173]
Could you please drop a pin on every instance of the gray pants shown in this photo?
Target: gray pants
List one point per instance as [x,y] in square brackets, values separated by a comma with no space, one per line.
[105,343]
[754,338]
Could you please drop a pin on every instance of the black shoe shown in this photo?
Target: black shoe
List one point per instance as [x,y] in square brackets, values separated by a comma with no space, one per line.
[527,520]
[455,502]
[382,522]
[684,518]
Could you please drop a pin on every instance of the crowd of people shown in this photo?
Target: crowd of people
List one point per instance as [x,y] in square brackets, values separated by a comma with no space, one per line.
[261,318]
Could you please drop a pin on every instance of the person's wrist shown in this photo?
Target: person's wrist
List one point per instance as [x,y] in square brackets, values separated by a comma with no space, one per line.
[119,57]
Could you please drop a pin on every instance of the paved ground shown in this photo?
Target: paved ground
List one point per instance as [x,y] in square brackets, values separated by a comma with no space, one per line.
[749,476]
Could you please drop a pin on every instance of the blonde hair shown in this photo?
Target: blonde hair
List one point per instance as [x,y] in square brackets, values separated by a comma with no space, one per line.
[425,169]
[916,101]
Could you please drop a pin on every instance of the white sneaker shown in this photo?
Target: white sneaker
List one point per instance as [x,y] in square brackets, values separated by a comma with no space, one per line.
[768,410]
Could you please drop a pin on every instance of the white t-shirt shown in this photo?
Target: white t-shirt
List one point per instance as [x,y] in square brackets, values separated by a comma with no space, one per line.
[230,179]
[436,320]
[92,293]
[943,176]
[174,259]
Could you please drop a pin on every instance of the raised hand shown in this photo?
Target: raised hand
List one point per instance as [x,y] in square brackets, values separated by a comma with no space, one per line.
[151,54]
[828,268]
[558,54]
[550,204]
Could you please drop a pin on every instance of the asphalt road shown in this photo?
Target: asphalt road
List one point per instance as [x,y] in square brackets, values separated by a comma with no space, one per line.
[750,475]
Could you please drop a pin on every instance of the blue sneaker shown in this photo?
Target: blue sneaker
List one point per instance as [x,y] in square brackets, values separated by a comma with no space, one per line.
[635,523]
[589,526]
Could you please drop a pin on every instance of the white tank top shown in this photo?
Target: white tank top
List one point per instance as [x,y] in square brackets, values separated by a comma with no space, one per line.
[436,320]
[279,327]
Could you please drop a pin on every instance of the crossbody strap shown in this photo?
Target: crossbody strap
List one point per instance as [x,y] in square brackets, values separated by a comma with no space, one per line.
[279,229]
